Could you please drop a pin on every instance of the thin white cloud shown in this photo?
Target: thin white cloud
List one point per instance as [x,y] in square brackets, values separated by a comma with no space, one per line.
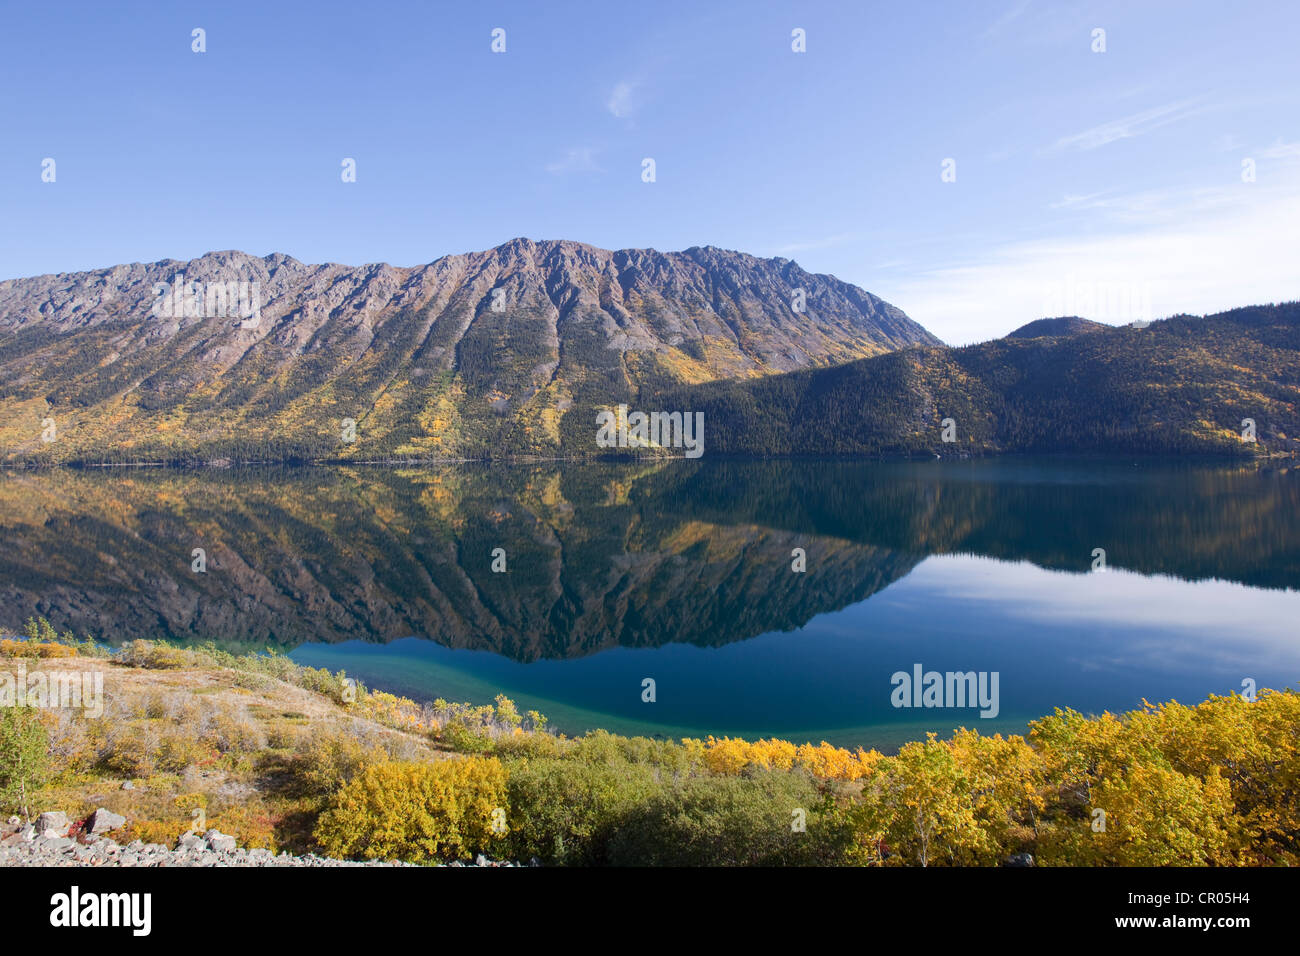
[1154,206]
[580,159]
[1128,127]
[1009,16]
[1280,150]
[822,243]
[1075,200]
[620,103]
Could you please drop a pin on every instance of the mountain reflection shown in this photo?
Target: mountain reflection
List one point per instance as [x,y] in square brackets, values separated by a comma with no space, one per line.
[596,555]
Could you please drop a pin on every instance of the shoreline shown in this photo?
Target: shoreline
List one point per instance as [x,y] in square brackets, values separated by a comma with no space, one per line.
[292,462]
[293,759]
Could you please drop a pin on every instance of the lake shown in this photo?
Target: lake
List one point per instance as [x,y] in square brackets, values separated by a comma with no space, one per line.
[1083,583]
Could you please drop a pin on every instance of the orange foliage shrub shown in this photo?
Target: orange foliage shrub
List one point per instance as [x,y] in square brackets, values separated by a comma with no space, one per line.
[12,648]
[731,755]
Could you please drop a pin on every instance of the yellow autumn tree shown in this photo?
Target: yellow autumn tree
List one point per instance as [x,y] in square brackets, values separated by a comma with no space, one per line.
[732,755]
[1009,790]
[401,810]
[1217,783]
[1153,816]
[919,809]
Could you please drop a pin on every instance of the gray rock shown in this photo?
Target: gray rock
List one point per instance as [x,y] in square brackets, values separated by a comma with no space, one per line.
[1020,859]
[66,851]
[55,823]
[102,821]
[219,842]
[128,785]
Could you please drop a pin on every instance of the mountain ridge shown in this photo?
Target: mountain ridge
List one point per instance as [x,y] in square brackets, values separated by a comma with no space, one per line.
[467,355]
[515,352]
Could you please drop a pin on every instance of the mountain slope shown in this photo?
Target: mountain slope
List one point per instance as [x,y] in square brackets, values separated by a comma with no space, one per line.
[508,351]
[1182,385]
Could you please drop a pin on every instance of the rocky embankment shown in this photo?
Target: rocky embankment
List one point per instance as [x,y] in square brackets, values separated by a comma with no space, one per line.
[52,841]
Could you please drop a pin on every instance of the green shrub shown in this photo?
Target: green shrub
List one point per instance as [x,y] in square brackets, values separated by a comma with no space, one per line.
[462,738]
[600,746]
[565,811]
[731,821]
[531,745]
[327,760]
[41,631]
[131,751]
[321,681]
[252,681]
[176,751]
[24,757]
[153,656]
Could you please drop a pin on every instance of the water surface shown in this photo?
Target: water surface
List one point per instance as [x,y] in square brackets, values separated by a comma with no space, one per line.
[682,573]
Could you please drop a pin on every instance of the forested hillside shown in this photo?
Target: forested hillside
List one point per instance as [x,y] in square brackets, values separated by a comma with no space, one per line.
[1182,385]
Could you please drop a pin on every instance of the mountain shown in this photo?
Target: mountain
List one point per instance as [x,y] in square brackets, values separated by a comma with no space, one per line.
[505,352]
[515,351]
[1065,325]
[1184,385]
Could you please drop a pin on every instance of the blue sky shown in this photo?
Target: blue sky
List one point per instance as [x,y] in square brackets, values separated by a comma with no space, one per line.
[1118,172]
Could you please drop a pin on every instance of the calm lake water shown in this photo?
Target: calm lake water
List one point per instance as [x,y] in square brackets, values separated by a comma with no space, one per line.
[682,573]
